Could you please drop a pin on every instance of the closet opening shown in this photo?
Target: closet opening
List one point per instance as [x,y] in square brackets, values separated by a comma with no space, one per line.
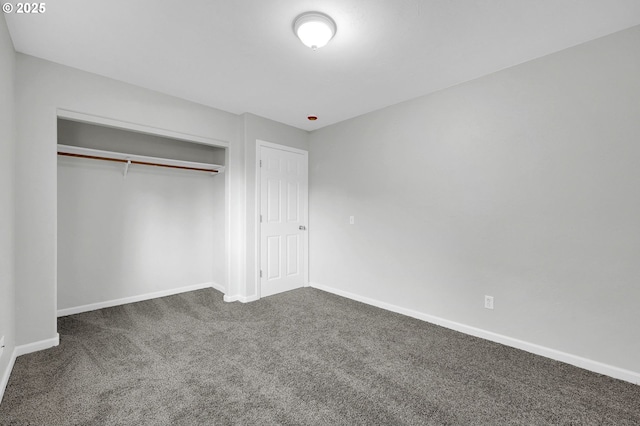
[140,216]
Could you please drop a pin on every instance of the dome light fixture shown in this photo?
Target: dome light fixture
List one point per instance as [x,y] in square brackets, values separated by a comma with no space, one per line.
[314,29]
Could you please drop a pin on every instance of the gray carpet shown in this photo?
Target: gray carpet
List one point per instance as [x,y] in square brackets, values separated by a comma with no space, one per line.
[304,357]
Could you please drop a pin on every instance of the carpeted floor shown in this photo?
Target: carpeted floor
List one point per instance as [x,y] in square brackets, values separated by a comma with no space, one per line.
[304,357]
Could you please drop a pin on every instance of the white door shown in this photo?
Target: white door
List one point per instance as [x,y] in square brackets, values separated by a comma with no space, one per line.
[283,208]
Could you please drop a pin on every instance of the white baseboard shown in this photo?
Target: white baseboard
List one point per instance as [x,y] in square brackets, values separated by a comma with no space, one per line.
[139,298]
[219,287]
[37,346]
[587,364]
[4,381]
[242,299]
[23,350]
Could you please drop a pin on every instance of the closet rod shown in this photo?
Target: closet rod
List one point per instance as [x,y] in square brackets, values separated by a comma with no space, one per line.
[144,163]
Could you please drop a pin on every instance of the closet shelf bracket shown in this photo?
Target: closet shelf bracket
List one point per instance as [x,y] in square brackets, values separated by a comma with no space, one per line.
[126,168]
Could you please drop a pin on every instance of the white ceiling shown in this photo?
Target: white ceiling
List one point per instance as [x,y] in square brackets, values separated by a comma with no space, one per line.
[242,55]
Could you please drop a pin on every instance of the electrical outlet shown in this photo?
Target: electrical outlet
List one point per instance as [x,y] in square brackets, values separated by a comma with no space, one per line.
[488,302]
[352,220]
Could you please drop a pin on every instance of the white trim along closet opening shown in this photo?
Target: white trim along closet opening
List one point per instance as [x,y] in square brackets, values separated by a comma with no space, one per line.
[139,216]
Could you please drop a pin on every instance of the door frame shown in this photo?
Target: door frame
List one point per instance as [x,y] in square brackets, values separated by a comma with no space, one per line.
[258,227]
[100,120]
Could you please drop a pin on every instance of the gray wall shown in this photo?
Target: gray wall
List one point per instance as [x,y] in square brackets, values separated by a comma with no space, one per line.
[7,147]
[255,128]
[158,229]
[523,184]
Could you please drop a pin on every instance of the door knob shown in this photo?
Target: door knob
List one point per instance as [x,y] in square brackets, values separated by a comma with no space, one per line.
[302,227]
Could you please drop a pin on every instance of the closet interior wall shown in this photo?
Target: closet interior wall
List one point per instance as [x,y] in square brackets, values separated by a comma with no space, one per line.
[155,230]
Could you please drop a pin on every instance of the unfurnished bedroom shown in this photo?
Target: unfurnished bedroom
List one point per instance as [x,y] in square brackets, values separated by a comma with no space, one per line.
[416,212]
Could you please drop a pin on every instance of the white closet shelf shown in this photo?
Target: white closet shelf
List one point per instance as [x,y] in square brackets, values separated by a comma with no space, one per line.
[128,159]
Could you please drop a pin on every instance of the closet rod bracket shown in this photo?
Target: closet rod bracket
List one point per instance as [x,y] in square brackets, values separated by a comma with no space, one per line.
[126,167]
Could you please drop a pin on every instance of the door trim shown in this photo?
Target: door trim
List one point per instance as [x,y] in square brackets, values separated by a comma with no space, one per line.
[259,144]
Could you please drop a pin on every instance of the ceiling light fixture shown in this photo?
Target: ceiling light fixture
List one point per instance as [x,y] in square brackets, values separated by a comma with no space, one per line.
[314,29]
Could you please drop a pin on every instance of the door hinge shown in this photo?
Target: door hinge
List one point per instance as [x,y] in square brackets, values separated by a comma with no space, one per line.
[260,163]
[260,218]
[260,273]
